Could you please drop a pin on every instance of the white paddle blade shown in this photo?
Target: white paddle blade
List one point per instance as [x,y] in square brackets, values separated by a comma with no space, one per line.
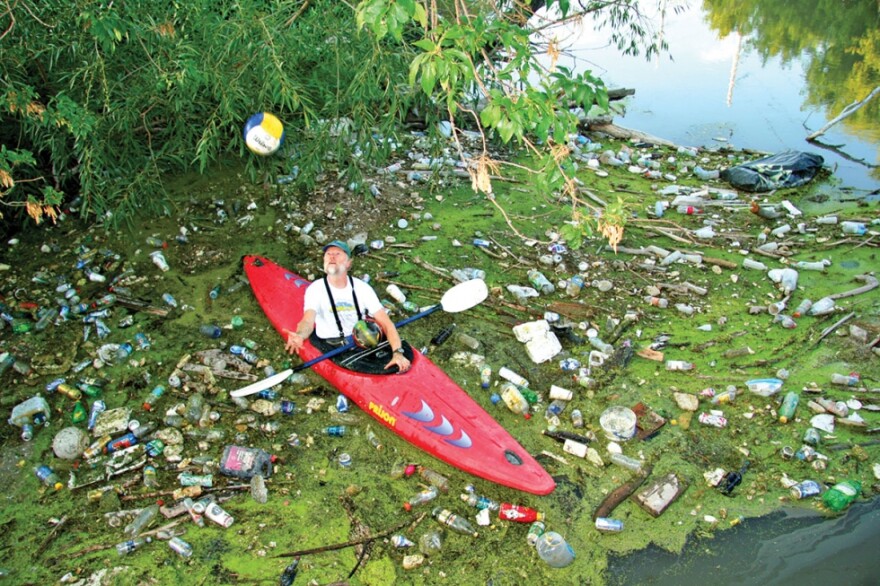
[262,385]
[464,296]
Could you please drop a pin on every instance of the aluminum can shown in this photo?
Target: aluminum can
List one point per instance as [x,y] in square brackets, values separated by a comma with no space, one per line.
[536,530]
[805,489]
[609,525]
[181,547]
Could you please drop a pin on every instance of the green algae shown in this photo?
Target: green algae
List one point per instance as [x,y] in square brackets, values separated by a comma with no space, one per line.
[304,509]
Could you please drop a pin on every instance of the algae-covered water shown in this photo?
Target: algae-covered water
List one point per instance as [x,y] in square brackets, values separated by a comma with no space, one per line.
[315,503]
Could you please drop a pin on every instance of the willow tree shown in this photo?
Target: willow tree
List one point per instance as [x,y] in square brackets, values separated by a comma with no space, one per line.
[100,101]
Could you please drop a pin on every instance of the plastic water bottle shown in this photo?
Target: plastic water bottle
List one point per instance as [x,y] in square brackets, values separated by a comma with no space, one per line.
[480,502]
[842,494]
[143,520]
[540,282]
[129,546]
[789,404]
[554,550]
[210,331]
[857,228]
[453,521]
[849,380]
[153,397]
[514,399]
[48,477]
[421,497]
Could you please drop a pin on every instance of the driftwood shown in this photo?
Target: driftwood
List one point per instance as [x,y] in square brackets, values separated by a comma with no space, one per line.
[615,131]
[619,494]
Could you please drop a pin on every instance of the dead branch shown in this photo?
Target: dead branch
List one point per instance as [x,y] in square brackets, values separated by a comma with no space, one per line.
[848,111]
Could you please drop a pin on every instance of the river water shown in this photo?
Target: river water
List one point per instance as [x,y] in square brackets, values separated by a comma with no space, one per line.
[719,90]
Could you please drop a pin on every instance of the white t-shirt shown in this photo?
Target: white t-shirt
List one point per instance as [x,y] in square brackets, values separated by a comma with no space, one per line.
[325,323]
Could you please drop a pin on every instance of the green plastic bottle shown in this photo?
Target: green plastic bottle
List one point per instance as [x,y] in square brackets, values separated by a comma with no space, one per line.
[842,494]
[789,404]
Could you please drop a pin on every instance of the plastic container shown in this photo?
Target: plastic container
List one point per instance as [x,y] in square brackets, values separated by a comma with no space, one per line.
[143,520]
[485,376]
[657,301]
[129,546]
[434,478]
[764,387]
[554,550]
[48,477]
[24,412]
[210,331]
[453,521]
[787,409]
[153,397]
[618,423]
[513,377]
[480,502]
[627,462]
[245,463]
[842,494]
[822,307]
[421,497]
[857,228]
[514,399]
[540,282]
[848,380]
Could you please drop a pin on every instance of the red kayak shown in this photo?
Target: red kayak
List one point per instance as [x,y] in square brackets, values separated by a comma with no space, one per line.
[423,406]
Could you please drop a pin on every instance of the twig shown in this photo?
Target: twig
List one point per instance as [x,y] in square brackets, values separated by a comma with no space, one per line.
[834,326]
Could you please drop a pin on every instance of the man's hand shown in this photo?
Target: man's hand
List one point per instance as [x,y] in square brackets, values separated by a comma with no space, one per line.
[400,361]
[294,342]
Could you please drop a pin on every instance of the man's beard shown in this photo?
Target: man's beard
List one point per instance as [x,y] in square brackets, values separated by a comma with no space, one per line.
[332,269]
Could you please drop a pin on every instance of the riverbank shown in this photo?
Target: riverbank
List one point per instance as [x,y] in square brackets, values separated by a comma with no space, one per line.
[312,501]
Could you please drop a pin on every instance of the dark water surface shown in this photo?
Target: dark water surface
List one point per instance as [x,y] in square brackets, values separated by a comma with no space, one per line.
[786,548]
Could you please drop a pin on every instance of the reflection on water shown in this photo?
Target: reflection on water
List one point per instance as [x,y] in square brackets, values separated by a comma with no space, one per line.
[764,90]
[782,549]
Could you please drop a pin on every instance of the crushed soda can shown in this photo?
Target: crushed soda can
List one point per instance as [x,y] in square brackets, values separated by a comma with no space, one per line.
[713,418]
[342,404]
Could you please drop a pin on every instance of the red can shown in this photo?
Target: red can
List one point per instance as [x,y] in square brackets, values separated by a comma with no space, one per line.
[519,513]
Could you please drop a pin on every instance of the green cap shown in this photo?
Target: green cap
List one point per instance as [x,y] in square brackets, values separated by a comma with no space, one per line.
[339,244]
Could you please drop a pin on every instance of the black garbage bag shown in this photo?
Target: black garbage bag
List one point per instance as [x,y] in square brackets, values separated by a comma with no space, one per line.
[785,169]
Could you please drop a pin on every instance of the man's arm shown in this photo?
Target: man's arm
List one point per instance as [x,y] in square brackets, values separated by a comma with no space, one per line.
[304,329]
[394,341]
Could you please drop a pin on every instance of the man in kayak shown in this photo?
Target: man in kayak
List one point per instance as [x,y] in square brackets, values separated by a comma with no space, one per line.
[334,304]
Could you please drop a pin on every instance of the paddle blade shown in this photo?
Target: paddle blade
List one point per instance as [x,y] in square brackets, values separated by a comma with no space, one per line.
[262,385]
[464,296]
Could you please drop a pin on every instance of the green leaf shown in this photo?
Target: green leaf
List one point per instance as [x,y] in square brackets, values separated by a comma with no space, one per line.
[426,45]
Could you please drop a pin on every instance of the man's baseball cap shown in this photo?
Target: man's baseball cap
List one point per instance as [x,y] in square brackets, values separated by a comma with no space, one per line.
[339,244]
